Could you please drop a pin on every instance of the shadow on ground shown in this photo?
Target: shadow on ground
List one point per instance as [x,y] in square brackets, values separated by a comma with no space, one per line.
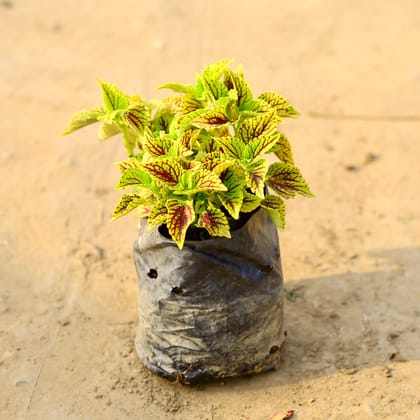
[349,321]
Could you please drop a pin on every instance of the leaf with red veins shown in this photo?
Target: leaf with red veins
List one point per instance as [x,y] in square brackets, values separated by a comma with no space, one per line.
[180,216]
[250,202]
[211,119]
[166,170]
[287,180]
[158,215]
[156,146]
[206,180]
[276,208]
[127,203]
[215,222]
[213,162]
[255,176]
[231,146]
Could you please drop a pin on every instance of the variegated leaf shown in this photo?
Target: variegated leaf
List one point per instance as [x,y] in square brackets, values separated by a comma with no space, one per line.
[158,215]
[215,88]
[180,216]
[114,97]
[157,145]
[128,163]
[276,208]
[279,103]
[255,176]
[215,70]
[232,177]
[238,83]
[189,103]
[137,116]
[213,162]
[215,222]
[260,146]
[144,209]
[205,180]
[251,128]
[127,203]
[231,146]
[208,144]
[189,138]
[232,200]
[134,177]
[250,202]
[166,170]
[83,118]
[211,119]
[188,120]
[283,149]
[287,180]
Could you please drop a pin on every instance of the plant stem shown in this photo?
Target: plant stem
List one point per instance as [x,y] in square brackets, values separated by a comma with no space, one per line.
[127,143]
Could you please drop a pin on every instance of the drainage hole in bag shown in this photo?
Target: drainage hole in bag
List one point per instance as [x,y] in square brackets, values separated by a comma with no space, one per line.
[177,290]
[266,268]
[152,273]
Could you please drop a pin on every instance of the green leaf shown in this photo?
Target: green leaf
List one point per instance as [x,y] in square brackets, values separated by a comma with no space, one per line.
[279,103]
[83,118]
[128,163]
[238,83]
[211,119]
[137,116]
[193,182]
[127,203]
[215,222]
[180,216]
[108,130]
[187,121]
[144,209]
[189,103]
[250,202]
[177,87]
[231,146]
[232,200]
[189,138]
[260,146]
[232,177]
[166,170]
[283,149]
[215,88]
[114,97]
[215,70]
[277,218]
[255,176]
[254,127]
[205,180]
[287,180]
[134,176]
[158,215]
[213,162]
[276,209]
[158,145]
[208,144]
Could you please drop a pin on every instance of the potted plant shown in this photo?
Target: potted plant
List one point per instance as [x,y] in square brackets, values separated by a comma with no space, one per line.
[209,203]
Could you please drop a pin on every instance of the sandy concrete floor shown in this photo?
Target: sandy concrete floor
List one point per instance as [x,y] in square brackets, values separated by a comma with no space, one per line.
[351,255]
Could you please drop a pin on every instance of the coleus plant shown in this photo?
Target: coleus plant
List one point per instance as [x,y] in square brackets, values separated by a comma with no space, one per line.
[198,159]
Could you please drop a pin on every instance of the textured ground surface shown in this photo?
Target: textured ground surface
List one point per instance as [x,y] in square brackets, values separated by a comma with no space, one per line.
[351,256]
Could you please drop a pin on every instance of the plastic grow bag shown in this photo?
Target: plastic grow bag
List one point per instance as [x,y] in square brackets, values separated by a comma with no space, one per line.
[213,309]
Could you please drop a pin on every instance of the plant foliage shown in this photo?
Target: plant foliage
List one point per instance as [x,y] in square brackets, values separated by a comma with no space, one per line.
[198,158]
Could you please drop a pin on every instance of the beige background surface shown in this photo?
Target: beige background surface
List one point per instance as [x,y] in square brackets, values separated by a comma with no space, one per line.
[351,255]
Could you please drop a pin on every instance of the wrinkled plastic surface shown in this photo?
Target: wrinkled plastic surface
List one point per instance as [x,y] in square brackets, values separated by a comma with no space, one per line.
[213,309]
